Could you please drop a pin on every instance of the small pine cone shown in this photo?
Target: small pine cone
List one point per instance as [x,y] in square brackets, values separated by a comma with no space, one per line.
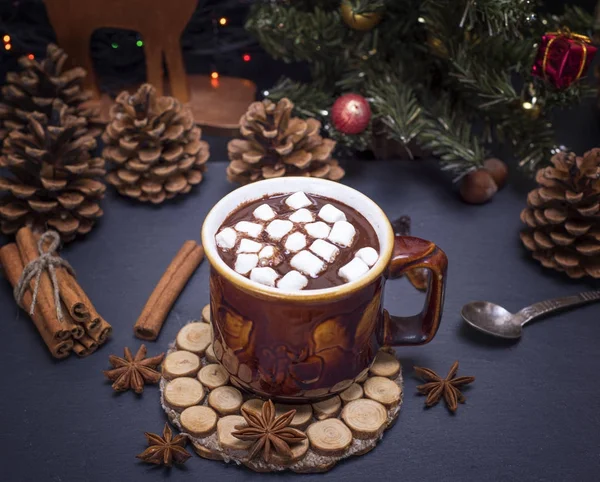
[35,87]
[563,215]
[51,176]
[278,145]
[154,146]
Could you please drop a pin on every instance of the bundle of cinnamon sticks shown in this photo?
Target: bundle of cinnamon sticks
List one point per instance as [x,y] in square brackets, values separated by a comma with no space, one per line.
[81,330]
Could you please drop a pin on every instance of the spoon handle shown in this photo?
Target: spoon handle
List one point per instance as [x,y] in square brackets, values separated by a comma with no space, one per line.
[538,309]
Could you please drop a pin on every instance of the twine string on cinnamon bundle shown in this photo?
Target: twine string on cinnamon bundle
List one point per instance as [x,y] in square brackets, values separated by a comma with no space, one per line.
[47,261]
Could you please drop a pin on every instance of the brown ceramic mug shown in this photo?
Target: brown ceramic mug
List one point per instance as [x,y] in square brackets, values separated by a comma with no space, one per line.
[307,345]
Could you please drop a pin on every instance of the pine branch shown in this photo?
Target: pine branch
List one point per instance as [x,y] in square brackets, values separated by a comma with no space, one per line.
[310,100]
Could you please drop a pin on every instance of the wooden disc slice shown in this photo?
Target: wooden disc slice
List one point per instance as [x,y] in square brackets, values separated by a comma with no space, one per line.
[183,392]
[210,355]
[353,392]
[385,365]
[225,426]
[366,418]
[253,405]
[302,417]
[226,400]
[199,420]
[329,437]
[213,376]
[206,314]
[194,337]
[180,364]
[362,376]
[382,390]
[206,453]
[298,451]
[327,408]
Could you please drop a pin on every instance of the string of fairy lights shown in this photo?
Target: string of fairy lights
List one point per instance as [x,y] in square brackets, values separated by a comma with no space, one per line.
[214,34]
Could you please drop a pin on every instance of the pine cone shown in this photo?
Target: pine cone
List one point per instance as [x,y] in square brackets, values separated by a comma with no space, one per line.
[154,146]
[52,176]
[279,145]
[563,216]
[37,85]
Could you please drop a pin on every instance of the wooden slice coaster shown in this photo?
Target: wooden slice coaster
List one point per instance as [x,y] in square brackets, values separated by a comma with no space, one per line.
[353,392]
[213,376]
[385,365]
[183,392]
[382,390]
[345,425]
[180,364]
[194,337]
[329,437]
[366,418]
[327,408]
[206,314]
[226,400]
[199,420]
[227,425]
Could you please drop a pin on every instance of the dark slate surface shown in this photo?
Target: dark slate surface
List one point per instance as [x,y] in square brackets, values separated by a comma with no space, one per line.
[532,414]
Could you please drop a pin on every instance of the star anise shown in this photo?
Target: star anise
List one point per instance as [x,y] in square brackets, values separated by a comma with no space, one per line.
[166,449]
[269,432]
[133,372]
[438,387]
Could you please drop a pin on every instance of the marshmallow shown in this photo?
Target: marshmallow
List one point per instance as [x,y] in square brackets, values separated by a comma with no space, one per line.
[269,256]
[295,242]
[324,250]
[226,238]
[249,246]
[353,270]
[342,234]
[245,262]
[307,263]
[302,216]
[317,230]
[264,212]
[368,255]
[266,252]
[251,229]
[278,228]
[292,281]
[331,214]
[264,276]
[298,200]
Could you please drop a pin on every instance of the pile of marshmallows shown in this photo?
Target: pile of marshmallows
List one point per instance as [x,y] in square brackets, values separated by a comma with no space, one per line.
[330,233]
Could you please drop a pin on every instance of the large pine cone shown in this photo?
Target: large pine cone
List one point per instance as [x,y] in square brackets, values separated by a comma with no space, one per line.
[52,177]
[277,145]
[154,146]
[37,85]
[563,216]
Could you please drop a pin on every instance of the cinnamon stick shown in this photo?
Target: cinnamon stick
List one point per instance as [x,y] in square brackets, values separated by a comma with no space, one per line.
[13,265]
[102,332]
[167,290]
[27,244]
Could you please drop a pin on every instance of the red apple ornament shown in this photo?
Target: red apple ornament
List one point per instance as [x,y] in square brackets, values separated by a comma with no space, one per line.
[351,114]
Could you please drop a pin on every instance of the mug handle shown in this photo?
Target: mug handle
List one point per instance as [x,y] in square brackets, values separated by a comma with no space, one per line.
[410,253]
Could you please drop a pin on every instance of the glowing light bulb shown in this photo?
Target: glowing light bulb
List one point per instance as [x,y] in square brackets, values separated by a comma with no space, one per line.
[114,45]
[246,57]
[6,38]
[140,43]
[31,56]
[222,21]
[214,75]
[7,46]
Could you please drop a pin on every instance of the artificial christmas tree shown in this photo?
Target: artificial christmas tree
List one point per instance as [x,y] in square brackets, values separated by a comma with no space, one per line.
[52,178]
[563,215]
[277,144]
[154,146]
[442,73]
[35,87]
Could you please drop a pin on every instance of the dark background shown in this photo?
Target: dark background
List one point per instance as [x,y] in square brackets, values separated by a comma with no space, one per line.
[531,415]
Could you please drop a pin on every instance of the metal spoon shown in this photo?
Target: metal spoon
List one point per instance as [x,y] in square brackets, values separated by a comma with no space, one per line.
[497,321]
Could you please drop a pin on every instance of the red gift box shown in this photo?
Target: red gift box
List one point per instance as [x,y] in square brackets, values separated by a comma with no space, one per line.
[563,57]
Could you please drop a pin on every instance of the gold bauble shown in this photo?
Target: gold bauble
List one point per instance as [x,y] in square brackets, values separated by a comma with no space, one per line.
[361,21]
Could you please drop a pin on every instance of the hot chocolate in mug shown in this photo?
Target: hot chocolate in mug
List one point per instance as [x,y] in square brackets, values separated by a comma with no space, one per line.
[300,346]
